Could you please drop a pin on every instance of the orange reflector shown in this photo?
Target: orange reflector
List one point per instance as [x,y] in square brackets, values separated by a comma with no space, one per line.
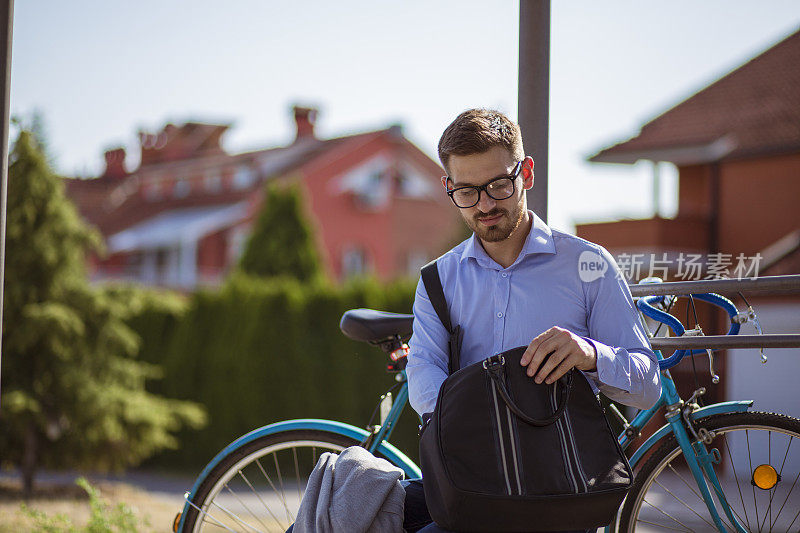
[176,522]
[765,477]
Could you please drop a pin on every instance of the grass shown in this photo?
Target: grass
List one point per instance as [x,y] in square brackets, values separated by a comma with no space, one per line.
[106,506]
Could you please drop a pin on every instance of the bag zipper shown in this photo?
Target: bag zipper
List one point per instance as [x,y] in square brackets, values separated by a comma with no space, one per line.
[512,437]
[581,474]
[500,437]
[564,445]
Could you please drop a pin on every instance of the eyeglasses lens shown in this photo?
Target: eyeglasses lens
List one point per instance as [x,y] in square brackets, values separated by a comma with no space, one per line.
[499,190]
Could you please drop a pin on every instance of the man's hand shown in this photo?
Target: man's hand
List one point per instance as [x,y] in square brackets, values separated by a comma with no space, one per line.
[568,351]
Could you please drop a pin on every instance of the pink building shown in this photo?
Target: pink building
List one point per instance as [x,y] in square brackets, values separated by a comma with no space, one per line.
[183,217]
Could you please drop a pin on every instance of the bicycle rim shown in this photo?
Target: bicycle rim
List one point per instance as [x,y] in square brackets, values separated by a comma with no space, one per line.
[258,487]
[665,496]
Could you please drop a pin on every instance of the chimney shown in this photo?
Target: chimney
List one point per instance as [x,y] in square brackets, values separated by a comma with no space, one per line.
[115,163]
[304,117]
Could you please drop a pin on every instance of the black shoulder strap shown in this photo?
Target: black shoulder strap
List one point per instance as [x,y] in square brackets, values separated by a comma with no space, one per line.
[433,286]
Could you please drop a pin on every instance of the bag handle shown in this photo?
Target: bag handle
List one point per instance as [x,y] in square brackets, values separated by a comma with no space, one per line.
[494,367]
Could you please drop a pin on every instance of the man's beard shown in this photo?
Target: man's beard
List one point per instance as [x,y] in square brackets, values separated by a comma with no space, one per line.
[500,231]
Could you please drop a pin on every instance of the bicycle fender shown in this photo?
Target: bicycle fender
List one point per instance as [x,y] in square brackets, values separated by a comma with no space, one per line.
[389,451]
[735,406]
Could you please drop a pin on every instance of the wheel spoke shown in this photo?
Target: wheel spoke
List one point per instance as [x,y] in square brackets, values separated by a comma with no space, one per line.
[206,514]
[786,455]
[750,461]
[736,478]
[281,494]
[780,472]
[772,491]
[662,525]
[278,473]
[687,528]
[684,481]
[793,521]
[684,504]
[694,491]
[785,500]
[297,473]
[768,512]
[236,518]
[254,491]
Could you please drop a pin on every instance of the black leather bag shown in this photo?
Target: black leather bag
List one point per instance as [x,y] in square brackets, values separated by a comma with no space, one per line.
[503,453]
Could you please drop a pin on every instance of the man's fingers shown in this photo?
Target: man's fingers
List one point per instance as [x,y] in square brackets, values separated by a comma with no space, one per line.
[527,356]
[561,369]
[552,362]
[548,346]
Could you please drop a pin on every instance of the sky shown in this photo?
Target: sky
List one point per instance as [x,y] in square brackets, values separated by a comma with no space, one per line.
[99,71]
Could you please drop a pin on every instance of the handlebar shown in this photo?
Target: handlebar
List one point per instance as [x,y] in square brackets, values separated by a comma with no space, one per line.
[646,306]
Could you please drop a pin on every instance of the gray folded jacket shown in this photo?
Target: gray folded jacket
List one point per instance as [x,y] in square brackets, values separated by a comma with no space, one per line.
[353,492]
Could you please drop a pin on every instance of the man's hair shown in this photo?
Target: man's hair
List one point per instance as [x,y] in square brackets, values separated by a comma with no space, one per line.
[476,131]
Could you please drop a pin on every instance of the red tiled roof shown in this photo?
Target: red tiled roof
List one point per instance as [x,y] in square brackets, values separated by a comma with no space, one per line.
[753,110]
[113,204]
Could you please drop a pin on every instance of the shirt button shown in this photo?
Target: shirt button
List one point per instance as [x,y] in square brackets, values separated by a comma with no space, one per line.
[504,274]
[499,315]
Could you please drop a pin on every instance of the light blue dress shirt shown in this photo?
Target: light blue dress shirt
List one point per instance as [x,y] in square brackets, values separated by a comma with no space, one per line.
[557,280]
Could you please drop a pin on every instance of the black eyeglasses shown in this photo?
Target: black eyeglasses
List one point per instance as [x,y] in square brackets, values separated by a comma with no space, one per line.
[497,189]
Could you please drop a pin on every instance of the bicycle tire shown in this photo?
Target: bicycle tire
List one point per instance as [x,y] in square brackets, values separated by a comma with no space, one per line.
[216,506]
[732,433]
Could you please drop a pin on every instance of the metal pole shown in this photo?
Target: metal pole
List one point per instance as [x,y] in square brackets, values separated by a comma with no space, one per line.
[789,284]
[534,93]
[776,340]
[6,27]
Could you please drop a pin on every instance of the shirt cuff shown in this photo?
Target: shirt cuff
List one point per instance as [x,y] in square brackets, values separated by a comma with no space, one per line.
[605,372]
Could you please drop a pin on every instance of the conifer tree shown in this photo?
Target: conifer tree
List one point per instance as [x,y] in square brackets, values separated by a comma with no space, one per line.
[282,243]
[73,394]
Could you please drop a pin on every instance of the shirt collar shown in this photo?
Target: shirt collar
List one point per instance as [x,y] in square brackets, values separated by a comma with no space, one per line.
[538,241]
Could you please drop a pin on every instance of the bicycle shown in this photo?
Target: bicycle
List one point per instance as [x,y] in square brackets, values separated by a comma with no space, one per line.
[268,467]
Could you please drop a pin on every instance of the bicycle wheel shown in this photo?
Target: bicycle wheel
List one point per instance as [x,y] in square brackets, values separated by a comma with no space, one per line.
[665,497]
[258,486]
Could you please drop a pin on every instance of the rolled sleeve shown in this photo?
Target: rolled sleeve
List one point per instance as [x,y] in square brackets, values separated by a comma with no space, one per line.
[627,369]
[428,356]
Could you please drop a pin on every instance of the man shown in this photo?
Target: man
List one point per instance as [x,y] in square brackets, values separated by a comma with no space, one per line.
[517,282]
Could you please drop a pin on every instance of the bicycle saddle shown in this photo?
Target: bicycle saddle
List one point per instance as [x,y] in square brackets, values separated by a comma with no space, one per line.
[368,325]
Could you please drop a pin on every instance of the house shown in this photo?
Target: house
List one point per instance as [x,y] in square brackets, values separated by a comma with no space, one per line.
[736,144]
[182,218]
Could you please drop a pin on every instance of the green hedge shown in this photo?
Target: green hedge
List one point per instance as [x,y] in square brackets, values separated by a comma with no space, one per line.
[259,351]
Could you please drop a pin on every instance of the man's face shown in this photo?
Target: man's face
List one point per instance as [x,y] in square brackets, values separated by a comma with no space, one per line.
[491,220]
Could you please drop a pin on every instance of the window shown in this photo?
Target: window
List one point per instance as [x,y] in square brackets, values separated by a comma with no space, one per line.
[410,183]
[182,188]
[354,262]
[212,181]
[152,189]
[238,241]
[244,177]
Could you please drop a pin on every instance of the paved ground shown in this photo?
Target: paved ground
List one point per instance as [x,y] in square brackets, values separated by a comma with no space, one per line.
[161,495]
[154,498]
[169,487]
